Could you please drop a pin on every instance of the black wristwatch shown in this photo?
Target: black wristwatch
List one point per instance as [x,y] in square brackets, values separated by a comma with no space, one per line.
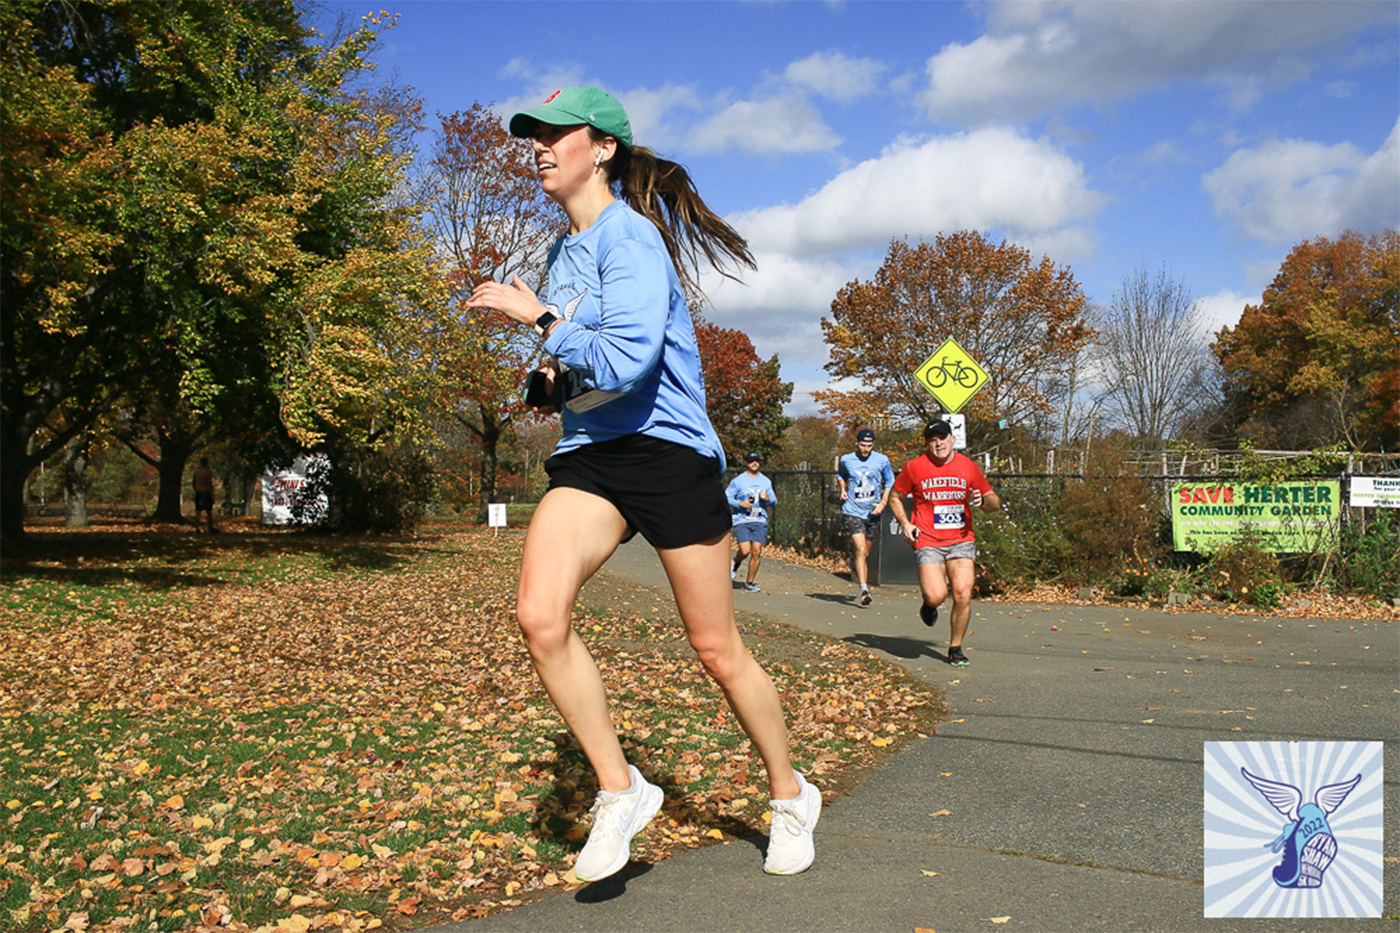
[544,322]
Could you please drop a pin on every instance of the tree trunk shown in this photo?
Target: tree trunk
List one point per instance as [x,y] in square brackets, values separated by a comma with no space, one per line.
[171,471]
[75,481]
[490,438]
[14,477]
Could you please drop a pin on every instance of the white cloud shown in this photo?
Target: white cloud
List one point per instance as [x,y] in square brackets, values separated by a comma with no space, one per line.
[982,180]
[650,112]
[1289,190]
[782,302]
[1039,57]
[1223,309]
[784,123]
[833,75]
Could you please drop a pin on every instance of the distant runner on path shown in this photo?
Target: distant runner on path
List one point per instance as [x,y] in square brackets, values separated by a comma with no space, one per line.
[750,496]
[946,486]
[865,477]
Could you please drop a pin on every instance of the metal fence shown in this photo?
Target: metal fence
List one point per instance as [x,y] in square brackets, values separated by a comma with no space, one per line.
[808,512]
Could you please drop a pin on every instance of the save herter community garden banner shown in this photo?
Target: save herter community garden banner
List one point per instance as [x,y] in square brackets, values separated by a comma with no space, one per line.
[1296,516]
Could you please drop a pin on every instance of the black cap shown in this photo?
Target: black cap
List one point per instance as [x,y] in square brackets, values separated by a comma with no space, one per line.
[753,455]
[865,434]
[939,428]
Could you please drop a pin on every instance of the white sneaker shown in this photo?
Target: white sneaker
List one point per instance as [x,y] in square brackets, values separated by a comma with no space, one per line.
[733,571]
[865,597]
[790,845]
[617,817]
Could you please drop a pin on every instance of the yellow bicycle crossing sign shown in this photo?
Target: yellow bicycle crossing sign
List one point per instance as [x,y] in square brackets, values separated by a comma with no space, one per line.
[951,376]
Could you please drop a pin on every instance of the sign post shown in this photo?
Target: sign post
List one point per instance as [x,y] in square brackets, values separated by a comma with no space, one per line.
[496,516]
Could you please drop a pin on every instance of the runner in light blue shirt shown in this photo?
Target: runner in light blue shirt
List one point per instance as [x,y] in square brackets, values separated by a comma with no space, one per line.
[750,495]
[866,478]
[638,454]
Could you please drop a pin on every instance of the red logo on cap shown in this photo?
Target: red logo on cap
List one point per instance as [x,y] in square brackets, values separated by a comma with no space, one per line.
[554,95]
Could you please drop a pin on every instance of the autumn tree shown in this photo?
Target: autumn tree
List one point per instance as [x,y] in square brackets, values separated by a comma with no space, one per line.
[487,218]
[1022,321]
[1155,366]
[1317,361]
[193,188]
[744,394]
[811,440]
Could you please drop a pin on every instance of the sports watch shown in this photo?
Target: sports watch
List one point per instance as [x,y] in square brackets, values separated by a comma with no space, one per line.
[544,322]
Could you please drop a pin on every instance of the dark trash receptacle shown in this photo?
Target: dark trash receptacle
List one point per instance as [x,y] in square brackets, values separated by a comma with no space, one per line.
[891,560]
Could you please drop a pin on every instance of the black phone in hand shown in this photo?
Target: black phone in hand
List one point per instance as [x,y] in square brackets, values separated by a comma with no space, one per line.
[536,395]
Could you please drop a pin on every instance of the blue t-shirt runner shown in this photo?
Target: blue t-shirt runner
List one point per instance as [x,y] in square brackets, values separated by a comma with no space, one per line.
[750,495]
[866,479]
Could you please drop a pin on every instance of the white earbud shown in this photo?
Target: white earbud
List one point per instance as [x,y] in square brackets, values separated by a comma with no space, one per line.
[599,160]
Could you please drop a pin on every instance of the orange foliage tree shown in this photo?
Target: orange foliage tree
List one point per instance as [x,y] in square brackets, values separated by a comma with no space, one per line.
[1317,361]
[1022,321]
[743,393]
[487,218]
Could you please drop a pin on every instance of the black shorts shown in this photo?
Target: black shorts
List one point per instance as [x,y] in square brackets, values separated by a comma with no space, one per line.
[672,494]
[868,526]
[203,501]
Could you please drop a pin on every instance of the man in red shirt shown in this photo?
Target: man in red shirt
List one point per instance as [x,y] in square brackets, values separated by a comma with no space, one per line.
[946,486]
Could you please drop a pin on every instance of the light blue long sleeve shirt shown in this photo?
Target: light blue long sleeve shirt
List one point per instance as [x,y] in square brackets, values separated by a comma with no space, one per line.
[745,488]
[625,328]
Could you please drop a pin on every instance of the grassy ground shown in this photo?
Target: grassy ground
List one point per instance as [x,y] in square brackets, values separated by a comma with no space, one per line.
[283,731]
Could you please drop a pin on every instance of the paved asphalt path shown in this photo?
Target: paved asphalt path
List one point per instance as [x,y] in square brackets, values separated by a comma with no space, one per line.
[1068,809]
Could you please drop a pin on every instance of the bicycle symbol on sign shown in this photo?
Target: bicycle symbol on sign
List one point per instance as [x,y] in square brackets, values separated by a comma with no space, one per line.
[938,376]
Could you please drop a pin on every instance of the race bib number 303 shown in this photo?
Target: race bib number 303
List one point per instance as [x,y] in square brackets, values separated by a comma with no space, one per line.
[947,516]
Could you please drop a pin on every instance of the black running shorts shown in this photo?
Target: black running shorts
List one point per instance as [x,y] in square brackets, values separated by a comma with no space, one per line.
[669,493]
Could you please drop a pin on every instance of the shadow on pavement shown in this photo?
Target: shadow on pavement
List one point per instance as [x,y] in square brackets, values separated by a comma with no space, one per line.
[906,648]
[611,887]
[841,598]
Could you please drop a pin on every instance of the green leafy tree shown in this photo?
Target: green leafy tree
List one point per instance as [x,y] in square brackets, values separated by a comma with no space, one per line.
[195,189]
[1317,361]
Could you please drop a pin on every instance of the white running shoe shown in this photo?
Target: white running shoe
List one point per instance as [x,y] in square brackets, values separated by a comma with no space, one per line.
[733,571]
[865,597]
[790,845]
[617,817]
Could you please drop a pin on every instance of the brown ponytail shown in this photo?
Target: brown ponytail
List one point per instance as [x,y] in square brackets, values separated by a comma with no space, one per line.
[662,192]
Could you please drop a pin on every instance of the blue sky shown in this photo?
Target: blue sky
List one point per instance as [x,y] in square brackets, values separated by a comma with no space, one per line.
[1208,138]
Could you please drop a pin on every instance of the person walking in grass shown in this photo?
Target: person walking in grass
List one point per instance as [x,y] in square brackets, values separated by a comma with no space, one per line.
[865,477]
[946,487]
[750,495]
[638,454]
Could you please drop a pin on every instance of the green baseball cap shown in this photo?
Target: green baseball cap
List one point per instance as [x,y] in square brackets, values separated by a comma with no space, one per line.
[580,104]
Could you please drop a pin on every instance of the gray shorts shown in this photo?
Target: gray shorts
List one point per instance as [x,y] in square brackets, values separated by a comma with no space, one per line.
[963,550]
[855,525]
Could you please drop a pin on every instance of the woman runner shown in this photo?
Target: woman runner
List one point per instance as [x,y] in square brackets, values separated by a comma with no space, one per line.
[638,453]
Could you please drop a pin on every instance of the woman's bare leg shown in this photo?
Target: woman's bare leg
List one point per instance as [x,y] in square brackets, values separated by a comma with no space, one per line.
[699,579]
[571,535]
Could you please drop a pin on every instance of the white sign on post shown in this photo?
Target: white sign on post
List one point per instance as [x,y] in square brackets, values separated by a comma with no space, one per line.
[959,425]
[1374,492]
[496,514]
[282,488]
